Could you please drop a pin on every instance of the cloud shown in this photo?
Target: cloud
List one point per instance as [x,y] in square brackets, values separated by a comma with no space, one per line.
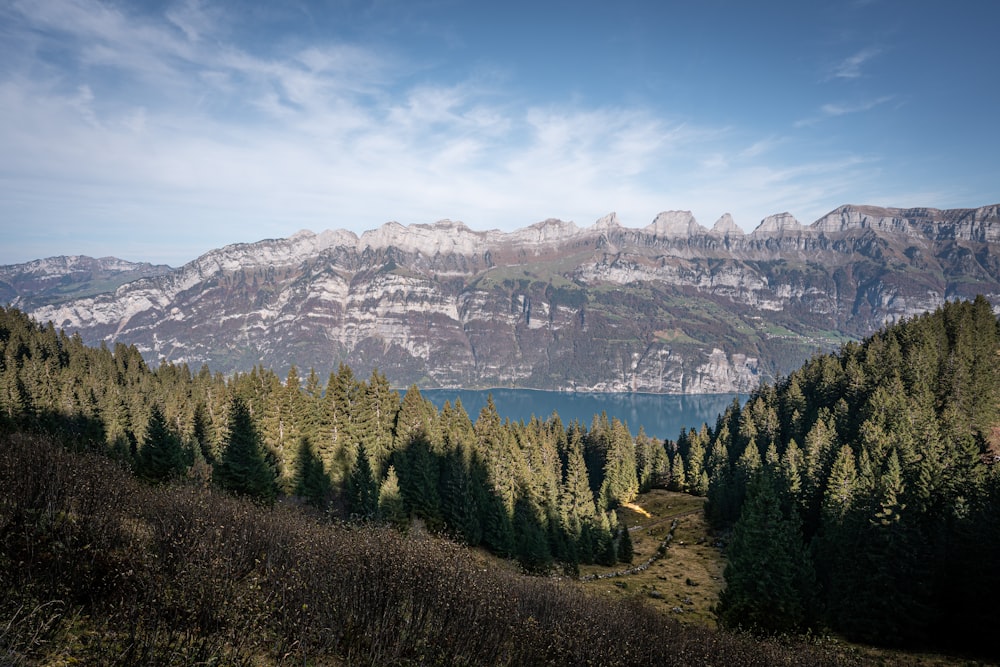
[169,124]
[850,67]
[842,109]
[834,109]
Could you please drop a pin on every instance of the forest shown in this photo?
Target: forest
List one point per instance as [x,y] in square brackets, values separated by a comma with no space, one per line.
[879,526]
[862,490]
[541,492]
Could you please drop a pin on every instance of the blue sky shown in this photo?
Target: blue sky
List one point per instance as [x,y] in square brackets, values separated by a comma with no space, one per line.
[158,130]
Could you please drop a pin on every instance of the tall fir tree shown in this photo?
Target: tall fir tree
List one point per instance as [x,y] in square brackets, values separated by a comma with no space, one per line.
[311,480]
[162,456]
[769,574]
[244,468]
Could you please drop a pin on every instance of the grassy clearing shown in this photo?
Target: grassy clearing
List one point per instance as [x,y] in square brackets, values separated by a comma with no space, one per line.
[686,582]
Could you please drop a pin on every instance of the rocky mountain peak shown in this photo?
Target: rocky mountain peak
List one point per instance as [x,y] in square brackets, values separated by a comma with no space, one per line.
[608,222]
[979,224]
[726,226]
[675,223]
[777,224]
[668,307]
[549,230]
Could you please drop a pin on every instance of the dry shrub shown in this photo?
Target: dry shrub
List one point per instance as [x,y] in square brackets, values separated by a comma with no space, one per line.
[97,567]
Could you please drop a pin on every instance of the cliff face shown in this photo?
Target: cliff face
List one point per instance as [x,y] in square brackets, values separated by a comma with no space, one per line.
[672,307]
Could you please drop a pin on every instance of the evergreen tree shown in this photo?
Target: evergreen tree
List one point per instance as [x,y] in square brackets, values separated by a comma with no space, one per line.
[244,468]
[362,489]
[768,575]
[201,432]
[620,483]
[390,500]
[311,480]
[678,478]
[376,418]
[626,553]
[576,499]
[532,542]
[604,543]
[419,476]
[459,502]
[161,457]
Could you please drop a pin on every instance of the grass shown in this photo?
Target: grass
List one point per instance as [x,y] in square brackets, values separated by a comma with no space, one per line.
[675,335]
[684,583]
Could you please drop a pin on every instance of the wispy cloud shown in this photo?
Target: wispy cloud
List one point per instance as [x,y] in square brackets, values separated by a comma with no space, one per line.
[834,109]
[850,67]
[842,109]
[169,122]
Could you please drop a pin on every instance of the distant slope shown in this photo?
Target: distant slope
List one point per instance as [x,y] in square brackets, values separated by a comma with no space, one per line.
[55,280]
[672,307]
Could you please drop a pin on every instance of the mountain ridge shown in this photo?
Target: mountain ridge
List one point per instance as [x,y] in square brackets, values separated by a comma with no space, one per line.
[670,307]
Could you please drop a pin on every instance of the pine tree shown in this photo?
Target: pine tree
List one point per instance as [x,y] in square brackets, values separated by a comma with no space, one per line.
[244,468]
[375,420]
[390,500]
[459,503]
[532,542]
[576,499]
[311,480]
[161,457]
[626,553]
[678,478]
[769,573]
[620,483]
[419,476]
[362,489]
[604,543]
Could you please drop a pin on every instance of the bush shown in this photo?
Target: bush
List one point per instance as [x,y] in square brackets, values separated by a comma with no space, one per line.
[99,568]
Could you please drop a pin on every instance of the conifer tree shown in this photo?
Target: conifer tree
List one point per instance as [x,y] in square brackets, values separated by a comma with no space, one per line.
[604,543]
[244,468]
[532,541]
[362,488]
[678,477]
[626,552]
[694,468]
[459,502]
[768,573]
[376,418]
[390,501]
[620,483]
[576,499]
[417,467]
[311,480]
[161,457]
[201,432]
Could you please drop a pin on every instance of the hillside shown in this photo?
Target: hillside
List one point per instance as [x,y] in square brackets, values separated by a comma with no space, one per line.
[672,307]
[862,490]
[96,568]
[894,544]
[55,280]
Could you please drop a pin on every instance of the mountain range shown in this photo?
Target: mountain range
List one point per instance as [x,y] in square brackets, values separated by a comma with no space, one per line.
[672,307]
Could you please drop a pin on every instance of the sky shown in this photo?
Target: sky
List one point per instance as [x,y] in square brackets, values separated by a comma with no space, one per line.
[159,130]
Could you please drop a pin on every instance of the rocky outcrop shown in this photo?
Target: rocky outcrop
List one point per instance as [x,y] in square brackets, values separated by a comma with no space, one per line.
[671,307]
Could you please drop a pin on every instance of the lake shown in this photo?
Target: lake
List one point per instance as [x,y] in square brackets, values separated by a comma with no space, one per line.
[661,415]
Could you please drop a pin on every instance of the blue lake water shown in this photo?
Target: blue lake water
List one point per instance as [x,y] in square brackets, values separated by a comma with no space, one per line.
[660,415]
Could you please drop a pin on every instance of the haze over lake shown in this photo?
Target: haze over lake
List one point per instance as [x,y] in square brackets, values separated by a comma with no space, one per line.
[661,415]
